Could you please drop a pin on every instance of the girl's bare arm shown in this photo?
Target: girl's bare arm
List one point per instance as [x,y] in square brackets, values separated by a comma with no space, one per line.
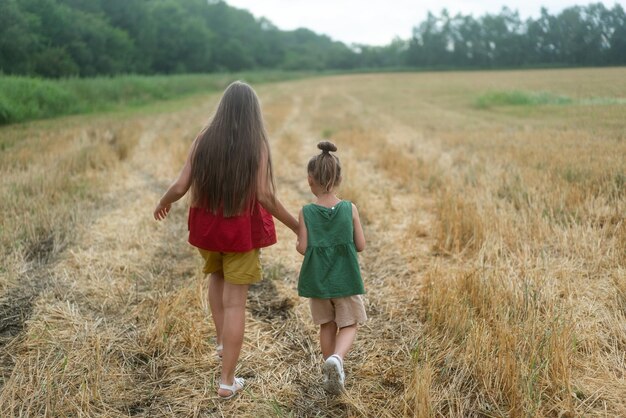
[359,237]
[176,190]
[301,244]
[269,201]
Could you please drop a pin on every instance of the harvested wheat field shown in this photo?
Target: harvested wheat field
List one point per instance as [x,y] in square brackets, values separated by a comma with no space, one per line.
[493,205]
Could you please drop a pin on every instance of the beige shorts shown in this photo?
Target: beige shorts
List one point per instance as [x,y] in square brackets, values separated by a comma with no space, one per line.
[344,311]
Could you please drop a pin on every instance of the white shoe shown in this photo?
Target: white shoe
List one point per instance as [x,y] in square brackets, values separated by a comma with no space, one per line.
[235,388]
[334,376]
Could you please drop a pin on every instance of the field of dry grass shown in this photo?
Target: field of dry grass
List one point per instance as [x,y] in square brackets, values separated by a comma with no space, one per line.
[495,267]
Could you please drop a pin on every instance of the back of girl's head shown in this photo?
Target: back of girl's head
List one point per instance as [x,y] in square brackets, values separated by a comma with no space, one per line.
[225,163]
[239,109]
[325,167]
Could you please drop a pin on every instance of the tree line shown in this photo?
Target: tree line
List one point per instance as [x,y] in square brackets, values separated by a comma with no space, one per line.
[578,36]
[58,38]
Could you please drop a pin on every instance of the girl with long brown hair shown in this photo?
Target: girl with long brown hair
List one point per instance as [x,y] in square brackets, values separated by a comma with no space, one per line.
[229,172]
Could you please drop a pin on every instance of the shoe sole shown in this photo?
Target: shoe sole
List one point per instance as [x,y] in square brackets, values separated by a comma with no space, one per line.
[333,383]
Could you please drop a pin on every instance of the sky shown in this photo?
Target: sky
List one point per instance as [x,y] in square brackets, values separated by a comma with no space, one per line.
[378,22]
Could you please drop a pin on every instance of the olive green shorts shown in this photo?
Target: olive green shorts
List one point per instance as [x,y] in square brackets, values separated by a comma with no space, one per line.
[238,268]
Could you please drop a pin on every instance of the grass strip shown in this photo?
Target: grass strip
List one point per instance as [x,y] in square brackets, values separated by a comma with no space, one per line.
[519,98]
[25,98]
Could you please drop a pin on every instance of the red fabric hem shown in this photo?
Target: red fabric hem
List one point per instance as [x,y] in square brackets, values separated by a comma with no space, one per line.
[242,233]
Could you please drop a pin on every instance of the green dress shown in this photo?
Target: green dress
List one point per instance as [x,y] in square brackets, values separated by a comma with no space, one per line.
[331,266]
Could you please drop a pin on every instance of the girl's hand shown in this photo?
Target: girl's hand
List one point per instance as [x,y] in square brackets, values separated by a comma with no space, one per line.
[161,211]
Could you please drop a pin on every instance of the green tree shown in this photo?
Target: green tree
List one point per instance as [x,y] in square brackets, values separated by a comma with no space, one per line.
[183,42]
[616,36]
[135,18]
[18,38]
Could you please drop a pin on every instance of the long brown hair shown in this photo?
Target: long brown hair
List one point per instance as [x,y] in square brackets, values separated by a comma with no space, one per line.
[325,167]
[226,158]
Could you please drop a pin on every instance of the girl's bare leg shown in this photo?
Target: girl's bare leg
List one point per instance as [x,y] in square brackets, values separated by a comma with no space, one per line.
[345,338]
[328,332]
[216,294]
[234,303]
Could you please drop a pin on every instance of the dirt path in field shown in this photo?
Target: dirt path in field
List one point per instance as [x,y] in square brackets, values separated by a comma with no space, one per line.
[381,357]
[134,284]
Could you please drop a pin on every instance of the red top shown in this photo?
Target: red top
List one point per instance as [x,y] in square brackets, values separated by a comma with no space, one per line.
[237,234]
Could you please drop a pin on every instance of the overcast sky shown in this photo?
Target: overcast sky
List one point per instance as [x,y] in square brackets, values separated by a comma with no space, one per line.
[377,22]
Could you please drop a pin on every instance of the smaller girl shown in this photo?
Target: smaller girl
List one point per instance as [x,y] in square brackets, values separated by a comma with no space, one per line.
[329,236]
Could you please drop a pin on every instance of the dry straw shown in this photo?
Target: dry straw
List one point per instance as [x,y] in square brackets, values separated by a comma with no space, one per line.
[495,261]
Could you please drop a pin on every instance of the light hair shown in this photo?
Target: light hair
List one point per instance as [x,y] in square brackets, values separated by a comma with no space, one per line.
[325,167]
[226,158]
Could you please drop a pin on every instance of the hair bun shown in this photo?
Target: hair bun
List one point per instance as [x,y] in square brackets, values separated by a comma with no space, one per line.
[327,146]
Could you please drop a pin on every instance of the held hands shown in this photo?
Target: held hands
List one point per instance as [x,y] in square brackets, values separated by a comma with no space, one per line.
[161,211]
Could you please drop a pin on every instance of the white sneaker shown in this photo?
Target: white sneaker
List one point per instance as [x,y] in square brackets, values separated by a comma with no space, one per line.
[334,376]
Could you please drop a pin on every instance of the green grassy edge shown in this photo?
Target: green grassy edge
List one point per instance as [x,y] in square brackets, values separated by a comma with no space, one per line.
[520,98]
[25,99]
